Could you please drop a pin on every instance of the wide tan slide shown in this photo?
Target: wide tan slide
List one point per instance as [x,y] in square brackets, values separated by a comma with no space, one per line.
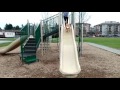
[69,63]
[13,45]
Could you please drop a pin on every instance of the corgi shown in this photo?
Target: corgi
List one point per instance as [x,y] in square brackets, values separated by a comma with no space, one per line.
[67,28]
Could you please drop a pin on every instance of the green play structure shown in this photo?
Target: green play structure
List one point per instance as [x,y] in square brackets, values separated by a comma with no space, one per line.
[32,43]
[41,35]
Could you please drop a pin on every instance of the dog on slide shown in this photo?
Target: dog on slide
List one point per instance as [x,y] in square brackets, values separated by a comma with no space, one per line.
[67,28]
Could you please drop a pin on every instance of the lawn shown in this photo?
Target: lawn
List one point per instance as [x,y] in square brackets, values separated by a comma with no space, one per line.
[4,44]
[110,42]
[55,40]
[9,39]
[7,43]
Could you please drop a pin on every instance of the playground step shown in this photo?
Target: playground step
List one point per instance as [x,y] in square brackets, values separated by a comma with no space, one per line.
[30,47]
[30,51]
[28,54]
[30,44]
[30,59]
[32,40]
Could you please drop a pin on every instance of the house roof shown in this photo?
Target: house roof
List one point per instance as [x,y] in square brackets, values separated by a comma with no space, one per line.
[109,23]
[9,30]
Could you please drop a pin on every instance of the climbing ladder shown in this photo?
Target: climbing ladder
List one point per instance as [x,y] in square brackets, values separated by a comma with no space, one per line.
[30,46]
[29,54]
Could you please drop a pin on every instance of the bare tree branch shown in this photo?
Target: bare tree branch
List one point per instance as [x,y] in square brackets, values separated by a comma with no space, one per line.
[44,15]
[85,17]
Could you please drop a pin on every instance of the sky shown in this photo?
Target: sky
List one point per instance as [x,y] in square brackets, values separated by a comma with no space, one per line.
[100,17]
[19,18]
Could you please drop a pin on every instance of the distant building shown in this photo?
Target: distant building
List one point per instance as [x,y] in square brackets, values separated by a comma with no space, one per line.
[108,28]
[92,29]
[86,28]
[1,34]
[9,33]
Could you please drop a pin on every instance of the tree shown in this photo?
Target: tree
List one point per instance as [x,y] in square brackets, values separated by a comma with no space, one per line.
[84,17]
[22,25]
[8,27]
[45,15]
[17,28]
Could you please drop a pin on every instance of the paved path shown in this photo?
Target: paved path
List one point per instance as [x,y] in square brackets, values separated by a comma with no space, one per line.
[116,51]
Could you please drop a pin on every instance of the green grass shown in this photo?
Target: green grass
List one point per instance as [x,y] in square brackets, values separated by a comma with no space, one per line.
[55,40]
[4,44]
[110,42]
[7,43]
[9,39]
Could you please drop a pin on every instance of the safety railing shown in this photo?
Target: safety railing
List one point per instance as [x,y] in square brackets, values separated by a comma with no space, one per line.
[38,36]
[24,33]
[50,24]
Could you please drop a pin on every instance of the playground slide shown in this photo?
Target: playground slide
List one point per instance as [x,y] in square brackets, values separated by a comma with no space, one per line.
[69,63]
[13,45]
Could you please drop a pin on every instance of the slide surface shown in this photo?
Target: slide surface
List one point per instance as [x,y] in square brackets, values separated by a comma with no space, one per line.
[69,63]
[13,45]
